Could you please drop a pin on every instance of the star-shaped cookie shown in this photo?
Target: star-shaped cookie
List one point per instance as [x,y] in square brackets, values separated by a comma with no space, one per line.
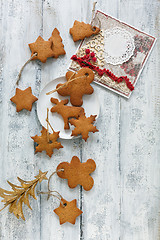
[83,126]
[47,142]
[68,211]
[42,48]
[23,99]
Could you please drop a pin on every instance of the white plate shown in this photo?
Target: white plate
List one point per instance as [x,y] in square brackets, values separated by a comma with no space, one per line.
[90,104]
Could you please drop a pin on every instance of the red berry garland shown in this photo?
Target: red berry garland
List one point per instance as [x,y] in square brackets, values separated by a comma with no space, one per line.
[85,62]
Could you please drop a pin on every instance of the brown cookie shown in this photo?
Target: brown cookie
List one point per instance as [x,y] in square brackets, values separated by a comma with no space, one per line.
[42,48]
[57,45]
[47,142]
[83,126]
[77,172]
[80,30]
[23,99]
[66,111]
[76,89]
[68,211]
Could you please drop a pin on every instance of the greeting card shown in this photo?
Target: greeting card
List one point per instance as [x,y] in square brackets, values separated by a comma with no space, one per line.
[117,54]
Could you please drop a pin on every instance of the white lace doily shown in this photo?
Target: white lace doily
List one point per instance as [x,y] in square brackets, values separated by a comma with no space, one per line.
[118,46]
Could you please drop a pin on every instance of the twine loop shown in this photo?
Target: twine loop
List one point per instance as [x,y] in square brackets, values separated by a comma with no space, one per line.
[20,73]
[66,83]
[93,18]
[53,193]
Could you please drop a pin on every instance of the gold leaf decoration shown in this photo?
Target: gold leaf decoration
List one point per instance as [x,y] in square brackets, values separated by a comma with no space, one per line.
[20,194]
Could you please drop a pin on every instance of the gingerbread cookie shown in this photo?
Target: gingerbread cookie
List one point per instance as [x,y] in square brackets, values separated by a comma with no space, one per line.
[23,99]
[80,30]
[66,111]
[57,45]
[47,142]
[42,48]
[76,89]
[68,211]
[83,126]
[77,173]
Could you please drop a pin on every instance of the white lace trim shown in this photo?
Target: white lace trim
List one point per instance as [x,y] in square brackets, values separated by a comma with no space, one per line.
[118,46]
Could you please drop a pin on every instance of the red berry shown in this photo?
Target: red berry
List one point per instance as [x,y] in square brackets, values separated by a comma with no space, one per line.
[87,56]
[94,59]
[100,72]
[74,57]
[87,51]
[92,54]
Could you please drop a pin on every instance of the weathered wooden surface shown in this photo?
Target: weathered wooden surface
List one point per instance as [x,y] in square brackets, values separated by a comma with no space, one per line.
[125,200]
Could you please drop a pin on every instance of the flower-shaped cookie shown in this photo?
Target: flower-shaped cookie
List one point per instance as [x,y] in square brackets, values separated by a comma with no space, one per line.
[77,172]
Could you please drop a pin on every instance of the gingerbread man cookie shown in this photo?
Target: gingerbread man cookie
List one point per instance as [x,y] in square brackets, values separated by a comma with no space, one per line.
[76,89]
[66,111]
[80,30]
[77,172]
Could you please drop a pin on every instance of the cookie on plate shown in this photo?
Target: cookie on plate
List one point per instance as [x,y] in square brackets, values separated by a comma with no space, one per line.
[66,112]
[76,89]
[83,126]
